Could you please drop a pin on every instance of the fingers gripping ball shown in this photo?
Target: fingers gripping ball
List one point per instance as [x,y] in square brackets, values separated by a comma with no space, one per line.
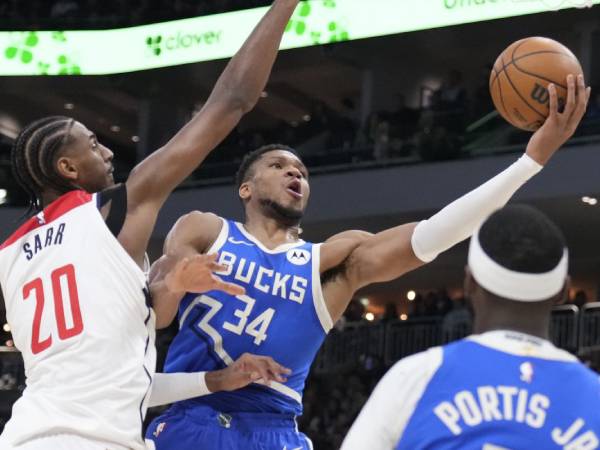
[520,77]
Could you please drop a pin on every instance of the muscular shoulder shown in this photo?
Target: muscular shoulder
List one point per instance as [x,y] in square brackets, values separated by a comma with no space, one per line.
[338,247]
[195,230]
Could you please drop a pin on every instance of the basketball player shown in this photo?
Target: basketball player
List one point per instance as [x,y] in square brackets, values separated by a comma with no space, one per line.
[506,387]
[296,290]
[75,293]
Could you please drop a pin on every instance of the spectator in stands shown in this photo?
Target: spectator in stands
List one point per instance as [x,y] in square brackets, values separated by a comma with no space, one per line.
[458,322]
[580,298]
[390,314]
[404,120]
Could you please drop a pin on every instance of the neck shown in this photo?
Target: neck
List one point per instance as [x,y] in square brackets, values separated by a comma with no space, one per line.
[270,231]
[49,196]
[528,324]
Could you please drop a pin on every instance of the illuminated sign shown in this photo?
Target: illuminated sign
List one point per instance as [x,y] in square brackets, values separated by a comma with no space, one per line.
[219,36]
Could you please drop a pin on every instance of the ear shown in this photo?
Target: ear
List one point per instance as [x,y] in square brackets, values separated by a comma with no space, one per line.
[245,191]
[66,168]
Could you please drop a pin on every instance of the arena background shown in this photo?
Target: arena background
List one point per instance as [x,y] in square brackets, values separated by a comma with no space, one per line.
[392,127]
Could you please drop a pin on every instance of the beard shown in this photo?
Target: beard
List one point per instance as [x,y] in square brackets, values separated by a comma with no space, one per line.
[283,214]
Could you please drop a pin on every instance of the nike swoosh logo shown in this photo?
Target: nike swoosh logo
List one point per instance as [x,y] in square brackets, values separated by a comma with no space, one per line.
[233,241]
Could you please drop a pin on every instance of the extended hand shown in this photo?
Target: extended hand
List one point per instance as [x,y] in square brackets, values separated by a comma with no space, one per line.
[559,126]
[196,274]
[247,369]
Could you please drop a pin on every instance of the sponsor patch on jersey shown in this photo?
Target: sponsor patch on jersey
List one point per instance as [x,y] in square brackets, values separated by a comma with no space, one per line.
[298,256]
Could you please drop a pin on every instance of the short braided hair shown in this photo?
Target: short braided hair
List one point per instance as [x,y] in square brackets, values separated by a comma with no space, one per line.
[34,154]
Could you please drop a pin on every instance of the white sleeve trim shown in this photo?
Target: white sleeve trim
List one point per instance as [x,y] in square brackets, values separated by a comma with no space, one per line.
[221,237]
[174,387]
[317,290]
[382,421]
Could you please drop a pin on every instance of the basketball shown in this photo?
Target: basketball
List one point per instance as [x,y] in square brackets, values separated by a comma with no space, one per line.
[521,75]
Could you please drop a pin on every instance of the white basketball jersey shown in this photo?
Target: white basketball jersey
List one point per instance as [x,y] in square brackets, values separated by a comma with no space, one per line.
[77,306]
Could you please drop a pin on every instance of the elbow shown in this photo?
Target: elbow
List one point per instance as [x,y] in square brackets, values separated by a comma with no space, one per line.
[237,99]
[242,103]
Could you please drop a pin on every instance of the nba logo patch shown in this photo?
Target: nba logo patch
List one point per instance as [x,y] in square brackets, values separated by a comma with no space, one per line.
[298,256]
[526,372]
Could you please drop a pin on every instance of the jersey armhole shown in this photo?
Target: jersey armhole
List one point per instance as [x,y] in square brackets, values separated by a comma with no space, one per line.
[317,291]
[118,208]
[221,237]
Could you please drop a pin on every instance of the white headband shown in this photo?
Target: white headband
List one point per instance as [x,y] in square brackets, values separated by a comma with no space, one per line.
[523,287]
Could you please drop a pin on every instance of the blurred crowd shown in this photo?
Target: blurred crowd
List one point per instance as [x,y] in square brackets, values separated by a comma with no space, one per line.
[332,402]
[443,127]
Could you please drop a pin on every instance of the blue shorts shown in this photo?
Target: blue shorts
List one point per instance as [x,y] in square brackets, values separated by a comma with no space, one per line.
[201,427]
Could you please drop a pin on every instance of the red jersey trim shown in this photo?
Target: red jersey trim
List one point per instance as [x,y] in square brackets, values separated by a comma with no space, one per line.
[53,211]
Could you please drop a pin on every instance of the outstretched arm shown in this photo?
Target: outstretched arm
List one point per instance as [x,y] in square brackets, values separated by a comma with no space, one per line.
[235,93]
[393,252]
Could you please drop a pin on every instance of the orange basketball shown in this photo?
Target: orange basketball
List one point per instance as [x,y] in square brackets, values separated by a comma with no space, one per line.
[520,78]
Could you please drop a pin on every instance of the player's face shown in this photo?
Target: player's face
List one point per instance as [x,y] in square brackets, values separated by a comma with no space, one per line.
[281,181]
[85,162]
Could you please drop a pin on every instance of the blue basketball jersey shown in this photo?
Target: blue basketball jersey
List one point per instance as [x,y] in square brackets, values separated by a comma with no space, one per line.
[282,315]
[484,398]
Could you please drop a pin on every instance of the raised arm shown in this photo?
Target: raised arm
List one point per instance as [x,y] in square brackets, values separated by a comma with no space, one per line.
[393,252]
[235,93]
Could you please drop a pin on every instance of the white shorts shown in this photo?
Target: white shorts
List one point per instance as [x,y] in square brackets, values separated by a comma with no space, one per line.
[62,442]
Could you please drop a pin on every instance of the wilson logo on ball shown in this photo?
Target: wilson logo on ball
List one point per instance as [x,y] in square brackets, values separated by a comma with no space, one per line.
[540,94]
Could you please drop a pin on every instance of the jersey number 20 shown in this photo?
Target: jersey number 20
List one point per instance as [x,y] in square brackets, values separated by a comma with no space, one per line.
[66,273]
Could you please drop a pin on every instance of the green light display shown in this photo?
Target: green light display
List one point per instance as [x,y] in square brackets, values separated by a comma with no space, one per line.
[219,36]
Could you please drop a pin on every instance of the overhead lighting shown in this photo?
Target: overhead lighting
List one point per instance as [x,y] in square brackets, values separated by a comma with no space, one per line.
[69,106]
[403,317]
[592,201]
[3,196]
[306,117]
[264,94]
[370,316]
[135,138]
[364,301]
[115,128]
[411,295]
[6,328]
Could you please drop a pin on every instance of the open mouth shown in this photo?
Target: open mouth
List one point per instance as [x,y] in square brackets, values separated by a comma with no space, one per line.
[295,189]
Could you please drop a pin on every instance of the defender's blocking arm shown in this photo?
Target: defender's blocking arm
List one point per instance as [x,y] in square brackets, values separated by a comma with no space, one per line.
[235,93]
